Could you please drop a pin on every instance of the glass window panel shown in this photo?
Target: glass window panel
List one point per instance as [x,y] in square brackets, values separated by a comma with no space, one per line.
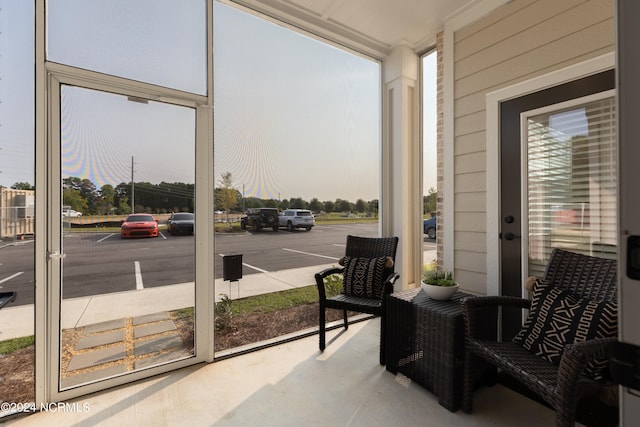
[572,182]
[430,156]
[154,41]
[297,126]
[17,203]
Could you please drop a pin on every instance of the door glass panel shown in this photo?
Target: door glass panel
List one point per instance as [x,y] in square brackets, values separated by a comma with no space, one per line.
[127,291]
[161,42]
[571,182]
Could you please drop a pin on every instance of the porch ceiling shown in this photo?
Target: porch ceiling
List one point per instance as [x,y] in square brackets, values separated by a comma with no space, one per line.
[373,27]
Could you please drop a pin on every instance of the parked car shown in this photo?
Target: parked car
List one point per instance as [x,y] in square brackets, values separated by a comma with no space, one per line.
[429,226]
[260,218]
[139,225]
[297,218]
[181,223]
[70,213]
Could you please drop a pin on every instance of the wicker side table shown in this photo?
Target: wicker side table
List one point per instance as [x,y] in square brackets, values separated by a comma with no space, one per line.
[425,342]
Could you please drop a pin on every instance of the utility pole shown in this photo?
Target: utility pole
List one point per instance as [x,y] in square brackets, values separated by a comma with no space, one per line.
[133,210]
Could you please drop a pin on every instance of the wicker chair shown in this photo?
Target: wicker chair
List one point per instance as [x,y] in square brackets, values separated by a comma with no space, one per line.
[360,247]
[561,387]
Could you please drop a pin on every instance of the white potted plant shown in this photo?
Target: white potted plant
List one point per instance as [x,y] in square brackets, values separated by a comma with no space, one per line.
[438,285]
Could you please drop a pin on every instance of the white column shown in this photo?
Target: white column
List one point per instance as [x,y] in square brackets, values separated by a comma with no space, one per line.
[401,166]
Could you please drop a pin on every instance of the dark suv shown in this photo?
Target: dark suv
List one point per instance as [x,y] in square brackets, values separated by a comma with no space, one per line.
[260,218]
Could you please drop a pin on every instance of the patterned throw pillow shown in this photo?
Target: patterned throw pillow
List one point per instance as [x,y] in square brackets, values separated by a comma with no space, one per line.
[363,277]
[558,318]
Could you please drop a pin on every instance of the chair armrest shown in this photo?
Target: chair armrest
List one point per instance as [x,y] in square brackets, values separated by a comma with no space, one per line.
[390,281]
[471,303]
[320,279]
[477,311]
[387,286]
[574,359]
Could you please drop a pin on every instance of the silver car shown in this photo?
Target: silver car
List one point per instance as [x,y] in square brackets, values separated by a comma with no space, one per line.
[297,218]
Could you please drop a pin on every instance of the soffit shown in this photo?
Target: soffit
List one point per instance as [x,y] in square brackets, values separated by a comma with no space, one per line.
[373,27]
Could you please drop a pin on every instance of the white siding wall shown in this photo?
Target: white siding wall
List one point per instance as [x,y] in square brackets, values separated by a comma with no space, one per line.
[518,41]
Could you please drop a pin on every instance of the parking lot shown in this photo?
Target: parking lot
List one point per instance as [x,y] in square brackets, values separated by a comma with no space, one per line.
[99,263]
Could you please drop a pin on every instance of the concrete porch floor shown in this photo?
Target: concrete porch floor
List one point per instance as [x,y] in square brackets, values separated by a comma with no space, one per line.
[293,384]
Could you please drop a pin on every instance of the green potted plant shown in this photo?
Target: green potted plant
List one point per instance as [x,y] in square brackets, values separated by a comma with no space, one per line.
[438,285]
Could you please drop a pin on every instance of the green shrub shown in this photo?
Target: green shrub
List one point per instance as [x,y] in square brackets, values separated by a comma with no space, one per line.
[333,284]
[437,277]
[223,313]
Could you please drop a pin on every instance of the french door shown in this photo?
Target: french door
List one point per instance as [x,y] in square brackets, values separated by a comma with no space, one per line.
[124,124]
[122,288]
[554,144]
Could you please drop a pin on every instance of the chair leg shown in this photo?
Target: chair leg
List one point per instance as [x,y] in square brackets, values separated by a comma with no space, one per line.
[565,418]
[467,384]
[382,341]
[565,413]
[346,321]
[322,328]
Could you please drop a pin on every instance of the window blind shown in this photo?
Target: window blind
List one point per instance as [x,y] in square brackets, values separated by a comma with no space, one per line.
[571,182]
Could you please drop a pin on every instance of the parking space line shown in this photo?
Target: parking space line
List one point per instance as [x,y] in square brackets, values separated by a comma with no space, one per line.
[13,276]
[17,243]
[309,253]
[162,235]
[255,268]
[105,238]
[139,284]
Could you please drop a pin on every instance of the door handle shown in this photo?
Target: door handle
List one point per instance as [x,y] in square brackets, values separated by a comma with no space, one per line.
[510,236]
[56,255]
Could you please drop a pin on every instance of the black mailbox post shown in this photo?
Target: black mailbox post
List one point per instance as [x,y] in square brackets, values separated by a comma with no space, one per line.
[232,267]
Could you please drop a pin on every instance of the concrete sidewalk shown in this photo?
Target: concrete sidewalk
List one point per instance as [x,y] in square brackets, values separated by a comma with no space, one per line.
[18,321]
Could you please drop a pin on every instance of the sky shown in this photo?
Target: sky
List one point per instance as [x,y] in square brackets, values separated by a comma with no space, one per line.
[16,92]
[294,117]
[307,124]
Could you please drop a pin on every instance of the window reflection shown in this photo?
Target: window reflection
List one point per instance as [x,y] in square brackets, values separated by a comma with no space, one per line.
[572,182]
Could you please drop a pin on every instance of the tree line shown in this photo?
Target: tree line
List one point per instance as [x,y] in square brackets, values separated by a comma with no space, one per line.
[82,195]
[229,199]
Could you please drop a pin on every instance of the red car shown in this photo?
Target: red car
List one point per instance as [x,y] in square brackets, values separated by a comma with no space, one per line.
[139,225]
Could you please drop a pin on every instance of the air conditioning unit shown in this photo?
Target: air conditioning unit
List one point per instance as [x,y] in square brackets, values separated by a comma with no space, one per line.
[26,205]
